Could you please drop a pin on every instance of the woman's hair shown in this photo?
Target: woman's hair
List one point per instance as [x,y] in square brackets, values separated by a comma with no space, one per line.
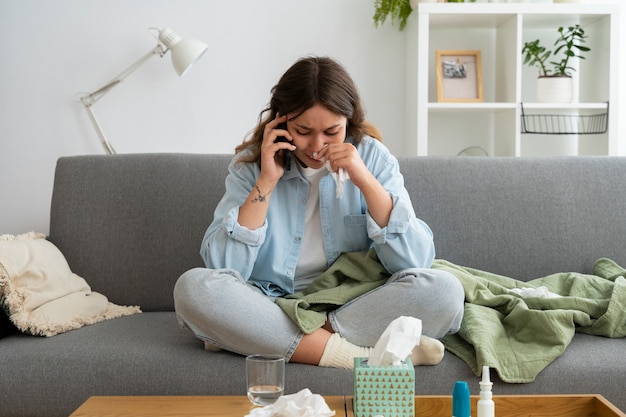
[310,81]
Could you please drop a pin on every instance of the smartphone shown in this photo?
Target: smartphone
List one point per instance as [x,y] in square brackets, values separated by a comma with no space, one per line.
[286,161]
[282,126]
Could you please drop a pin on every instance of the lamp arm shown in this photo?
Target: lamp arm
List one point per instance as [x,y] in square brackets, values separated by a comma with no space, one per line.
[105,143]
[89,99]
[96,95]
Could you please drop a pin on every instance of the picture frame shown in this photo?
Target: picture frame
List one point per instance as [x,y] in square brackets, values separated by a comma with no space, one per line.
[459,76]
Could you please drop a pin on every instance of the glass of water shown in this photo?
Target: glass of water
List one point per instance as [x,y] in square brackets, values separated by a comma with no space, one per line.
[265,378]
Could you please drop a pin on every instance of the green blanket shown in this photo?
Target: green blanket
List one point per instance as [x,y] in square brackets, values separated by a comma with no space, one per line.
[516,336]
[352,275]
[521,336]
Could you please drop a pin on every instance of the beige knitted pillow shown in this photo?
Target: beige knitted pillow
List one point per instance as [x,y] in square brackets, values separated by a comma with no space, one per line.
[41,295]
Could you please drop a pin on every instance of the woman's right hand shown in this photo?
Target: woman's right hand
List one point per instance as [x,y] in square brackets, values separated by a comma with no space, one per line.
[272,151]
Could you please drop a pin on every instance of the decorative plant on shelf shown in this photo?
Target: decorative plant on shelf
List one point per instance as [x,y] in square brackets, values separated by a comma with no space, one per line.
[397,10]
[555,85]
[569,43]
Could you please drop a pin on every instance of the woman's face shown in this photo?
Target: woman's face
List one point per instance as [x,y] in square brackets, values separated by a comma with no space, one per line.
[313,130]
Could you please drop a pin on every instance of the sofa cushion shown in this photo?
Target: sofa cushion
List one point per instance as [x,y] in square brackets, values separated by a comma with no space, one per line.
[40,293]
[149,354]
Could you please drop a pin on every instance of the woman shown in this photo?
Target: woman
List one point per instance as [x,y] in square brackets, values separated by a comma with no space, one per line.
[281,223]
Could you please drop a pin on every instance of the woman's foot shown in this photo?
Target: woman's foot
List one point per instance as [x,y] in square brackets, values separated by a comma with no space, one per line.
[428,352]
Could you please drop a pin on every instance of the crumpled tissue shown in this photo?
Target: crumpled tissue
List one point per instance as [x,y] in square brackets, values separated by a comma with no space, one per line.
[539,292]
[301,404]
[396,342]
[340,177]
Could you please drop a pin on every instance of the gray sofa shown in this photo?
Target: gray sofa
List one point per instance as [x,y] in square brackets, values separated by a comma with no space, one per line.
[132,224]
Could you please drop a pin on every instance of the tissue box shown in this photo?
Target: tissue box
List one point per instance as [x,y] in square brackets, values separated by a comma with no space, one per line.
[384,390]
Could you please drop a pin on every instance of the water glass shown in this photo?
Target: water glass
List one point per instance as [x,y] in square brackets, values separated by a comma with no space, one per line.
[265,378]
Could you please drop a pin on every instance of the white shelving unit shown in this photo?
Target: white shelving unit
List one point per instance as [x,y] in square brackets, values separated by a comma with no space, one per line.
[499,31]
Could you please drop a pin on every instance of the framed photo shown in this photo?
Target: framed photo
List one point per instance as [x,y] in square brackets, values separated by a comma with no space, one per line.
[459,76]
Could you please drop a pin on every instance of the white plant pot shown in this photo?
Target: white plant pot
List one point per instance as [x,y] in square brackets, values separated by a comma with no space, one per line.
[555,90]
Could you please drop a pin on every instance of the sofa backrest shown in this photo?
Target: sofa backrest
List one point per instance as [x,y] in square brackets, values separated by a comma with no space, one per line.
[132,224]
[525,217]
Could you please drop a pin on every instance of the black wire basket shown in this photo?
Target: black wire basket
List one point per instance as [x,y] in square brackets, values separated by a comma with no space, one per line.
[565,124]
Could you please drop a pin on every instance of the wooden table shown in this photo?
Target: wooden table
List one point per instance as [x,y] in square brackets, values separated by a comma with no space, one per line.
[179,406]
[425,406]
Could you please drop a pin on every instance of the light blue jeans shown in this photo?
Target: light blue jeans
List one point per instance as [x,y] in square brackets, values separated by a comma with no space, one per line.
[220,308]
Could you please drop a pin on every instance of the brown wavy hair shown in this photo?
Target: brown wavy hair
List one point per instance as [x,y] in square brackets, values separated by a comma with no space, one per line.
[310,81]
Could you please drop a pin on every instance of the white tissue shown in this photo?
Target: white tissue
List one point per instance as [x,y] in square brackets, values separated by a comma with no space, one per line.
[539,292]
[396,342]
[340,178]
[301,404]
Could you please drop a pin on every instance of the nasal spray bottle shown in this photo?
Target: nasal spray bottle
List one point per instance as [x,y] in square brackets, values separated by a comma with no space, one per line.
[486,407]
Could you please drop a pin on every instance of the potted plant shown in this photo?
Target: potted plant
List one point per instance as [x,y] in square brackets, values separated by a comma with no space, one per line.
[397,10]
[555,85]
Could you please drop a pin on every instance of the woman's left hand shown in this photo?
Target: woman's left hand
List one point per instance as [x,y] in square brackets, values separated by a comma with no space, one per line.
[345,155]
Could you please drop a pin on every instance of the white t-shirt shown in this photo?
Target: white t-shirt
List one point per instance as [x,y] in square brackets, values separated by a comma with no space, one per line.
[312,261]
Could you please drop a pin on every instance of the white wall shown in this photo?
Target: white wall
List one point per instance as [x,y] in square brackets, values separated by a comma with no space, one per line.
[54,50]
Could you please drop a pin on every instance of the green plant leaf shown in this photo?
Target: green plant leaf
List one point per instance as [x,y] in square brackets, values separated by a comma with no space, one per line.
[397,11]
[568,45]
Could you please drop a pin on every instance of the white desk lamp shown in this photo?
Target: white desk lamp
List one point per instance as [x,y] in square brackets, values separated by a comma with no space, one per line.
[185,52]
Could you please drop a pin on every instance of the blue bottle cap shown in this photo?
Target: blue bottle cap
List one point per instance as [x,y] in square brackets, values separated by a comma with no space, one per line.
[460,400]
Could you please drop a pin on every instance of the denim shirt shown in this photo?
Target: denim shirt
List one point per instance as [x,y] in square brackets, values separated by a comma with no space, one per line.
[267,256]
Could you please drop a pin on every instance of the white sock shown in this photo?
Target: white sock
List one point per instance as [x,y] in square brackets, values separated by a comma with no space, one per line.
[428,352]
[339,353]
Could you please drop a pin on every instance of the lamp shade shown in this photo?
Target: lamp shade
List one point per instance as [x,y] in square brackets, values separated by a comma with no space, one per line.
[185,52]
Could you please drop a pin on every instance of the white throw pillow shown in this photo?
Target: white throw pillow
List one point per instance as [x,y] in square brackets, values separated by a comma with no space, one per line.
[40,293]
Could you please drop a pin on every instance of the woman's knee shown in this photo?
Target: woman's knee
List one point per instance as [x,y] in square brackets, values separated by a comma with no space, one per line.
[452,286]
[200,279]
[441,292]
[452,299]
[202,288]
[455,300]
[432,281]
